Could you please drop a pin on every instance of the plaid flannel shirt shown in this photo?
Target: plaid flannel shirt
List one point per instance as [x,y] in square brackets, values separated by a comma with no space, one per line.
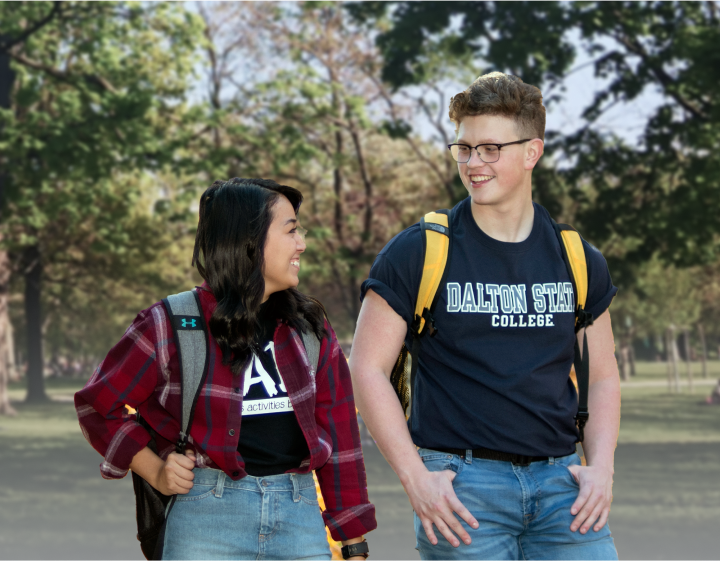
[143,371]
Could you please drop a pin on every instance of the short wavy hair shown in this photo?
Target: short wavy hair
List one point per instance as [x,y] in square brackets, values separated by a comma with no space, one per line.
[503,95]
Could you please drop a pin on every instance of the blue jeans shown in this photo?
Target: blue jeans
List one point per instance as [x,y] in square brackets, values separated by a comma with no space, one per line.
[523,511]
[275,517]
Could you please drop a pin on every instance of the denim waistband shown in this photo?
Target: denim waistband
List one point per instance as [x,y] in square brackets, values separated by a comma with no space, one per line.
[281,482]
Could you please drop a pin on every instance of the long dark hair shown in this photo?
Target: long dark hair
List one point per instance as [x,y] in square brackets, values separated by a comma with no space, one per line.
[235,216]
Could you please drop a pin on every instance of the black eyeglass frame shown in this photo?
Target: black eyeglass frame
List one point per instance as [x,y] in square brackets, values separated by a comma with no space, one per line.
[499,147]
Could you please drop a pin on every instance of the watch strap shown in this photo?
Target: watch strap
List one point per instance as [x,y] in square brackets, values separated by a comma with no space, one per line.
[355,549]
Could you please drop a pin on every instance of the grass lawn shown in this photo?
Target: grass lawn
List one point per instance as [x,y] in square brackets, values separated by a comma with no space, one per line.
[657,371]
[652,415]
[667,498]
[649,414]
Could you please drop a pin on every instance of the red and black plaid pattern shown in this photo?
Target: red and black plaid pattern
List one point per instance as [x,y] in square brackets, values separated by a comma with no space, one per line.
[143,371]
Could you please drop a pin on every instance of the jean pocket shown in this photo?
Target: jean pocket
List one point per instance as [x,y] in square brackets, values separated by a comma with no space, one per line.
[437,461]
[570,477]
[309,496]
[565,463]
[197,493]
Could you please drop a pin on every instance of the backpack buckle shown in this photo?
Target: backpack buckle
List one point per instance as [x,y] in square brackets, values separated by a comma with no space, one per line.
[428,327]
[430,322]
[584,319]
[580,419]
[181,443]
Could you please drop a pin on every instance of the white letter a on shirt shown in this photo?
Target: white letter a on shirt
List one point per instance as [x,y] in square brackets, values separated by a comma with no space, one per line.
[263,377]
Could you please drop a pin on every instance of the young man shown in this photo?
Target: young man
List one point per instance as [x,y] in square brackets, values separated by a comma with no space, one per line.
[488,456]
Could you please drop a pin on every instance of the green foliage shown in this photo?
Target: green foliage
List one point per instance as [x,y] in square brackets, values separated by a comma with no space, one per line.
[663,194]
[661,296]
[98,112]
[96,88]
[109,148]
[318,127]
[491,29]
[664,191]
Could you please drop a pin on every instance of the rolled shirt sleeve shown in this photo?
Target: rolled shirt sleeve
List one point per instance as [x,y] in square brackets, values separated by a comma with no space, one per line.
[601,290]
[343,483]
[396,272]
[128,375]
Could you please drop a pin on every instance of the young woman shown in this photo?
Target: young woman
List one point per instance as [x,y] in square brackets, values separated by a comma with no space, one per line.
[264,419]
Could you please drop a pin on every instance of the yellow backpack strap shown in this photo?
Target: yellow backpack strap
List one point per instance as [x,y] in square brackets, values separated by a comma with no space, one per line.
[436,238]
[437,242]
[574,256]
[578,266]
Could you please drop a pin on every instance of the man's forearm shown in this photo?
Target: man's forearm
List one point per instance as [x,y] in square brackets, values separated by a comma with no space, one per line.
[383,415]
[601,431]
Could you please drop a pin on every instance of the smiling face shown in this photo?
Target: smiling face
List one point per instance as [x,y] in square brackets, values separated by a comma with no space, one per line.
[283,247]
[507,181]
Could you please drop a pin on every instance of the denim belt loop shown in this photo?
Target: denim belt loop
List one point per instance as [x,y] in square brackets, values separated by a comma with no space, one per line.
[220,485]
[468,456]
[551,460]
[296,487]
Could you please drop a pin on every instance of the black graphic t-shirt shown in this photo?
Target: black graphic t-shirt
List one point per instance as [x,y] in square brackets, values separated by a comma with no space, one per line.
[496,373]
[271,441]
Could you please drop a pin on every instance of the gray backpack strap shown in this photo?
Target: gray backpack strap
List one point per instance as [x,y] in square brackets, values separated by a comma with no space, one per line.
[190,334]
[312,348]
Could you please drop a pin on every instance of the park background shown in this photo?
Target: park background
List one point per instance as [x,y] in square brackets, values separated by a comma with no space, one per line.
[115,116]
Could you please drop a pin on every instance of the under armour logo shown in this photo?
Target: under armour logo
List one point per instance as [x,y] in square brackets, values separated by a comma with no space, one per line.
[187,322]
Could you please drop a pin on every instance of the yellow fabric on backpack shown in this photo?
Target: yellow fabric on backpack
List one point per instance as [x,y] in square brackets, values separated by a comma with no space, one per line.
[436,254]
[576,256]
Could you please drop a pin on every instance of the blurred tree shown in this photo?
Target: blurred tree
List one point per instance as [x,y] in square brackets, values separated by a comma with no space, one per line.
[104,262]
[664,300]
[311,111]
[708,325]
[95,89]
[662,194]
[5,407]
[527,38]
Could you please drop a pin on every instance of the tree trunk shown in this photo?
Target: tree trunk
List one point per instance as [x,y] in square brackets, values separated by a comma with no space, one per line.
[668,358]
[5,407]
[33,278]
[13,370]
[659,348]
[624,361]
[674,358]
[7,78]
[688,358]
[703,345]
[631,358]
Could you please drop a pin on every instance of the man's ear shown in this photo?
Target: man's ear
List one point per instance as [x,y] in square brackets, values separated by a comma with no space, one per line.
[535,149]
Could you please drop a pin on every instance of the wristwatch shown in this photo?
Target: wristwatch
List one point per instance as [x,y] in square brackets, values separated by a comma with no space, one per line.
[356,549]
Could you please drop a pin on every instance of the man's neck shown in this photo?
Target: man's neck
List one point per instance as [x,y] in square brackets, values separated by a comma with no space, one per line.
[506,222]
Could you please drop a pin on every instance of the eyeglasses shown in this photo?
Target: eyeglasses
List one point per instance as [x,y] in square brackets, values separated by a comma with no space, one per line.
[302,232]
[488,153]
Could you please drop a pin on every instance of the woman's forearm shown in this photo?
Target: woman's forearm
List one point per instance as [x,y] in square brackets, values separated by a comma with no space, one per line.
[148,465]
[171,476]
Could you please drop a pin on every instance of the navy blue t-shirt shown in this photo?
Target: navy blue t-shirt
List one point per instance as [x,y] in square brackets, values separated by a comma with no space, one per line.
[496,375]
